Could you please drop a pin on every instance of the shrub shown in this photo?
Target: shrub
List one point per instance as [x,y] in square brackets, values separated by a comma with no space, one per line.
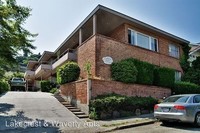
[68,72]
[4,87]
[115,102]
[53,90]
[145,71]
[45,85]
[164,77]
[124,71]
[185,88]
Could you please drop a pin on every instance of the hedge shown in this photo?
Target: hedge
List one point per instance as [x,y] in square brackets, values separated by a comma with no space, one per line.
[68,72]
[164,77]
[145,71]
[185,88]
[46,85]
[114,102]
[4,87]
[124,71]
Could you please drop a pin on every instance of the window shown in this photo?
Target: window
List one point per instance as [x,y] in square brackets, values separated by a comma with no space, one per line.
[174,51]
[177,76]
[196,99]
[142,40]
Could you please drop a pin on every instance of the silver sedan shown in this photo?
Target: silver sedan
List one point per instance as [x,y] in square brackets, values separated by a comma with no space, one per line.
[181,108]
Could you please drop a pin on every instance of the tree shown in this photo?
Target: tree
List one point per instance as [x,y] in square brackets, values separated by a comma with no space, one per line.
[193,73]
[13,37]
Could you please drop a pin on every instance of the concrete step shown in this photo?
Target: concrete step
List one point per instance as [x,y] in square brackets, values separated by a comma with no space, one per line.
[75,110]
[79,113]
[82,116]
[68,105]
[71,107]
[65,103]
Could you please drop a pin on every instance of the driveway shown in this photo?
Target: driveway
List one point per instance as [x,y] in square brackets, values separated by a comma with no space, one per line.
[34,112]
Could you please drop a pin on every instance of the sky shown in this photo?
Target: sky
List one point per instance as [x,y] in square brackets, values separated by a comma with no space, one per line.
[54,20]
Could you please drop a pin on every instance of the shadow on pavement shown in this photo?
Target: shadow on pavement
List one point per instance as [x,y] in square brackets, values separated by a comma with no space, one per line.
[19,123]
[5,107]
[183,126]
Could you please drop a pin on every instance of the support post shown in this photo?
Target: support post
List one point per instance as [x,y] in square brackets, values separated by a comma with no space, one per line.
[94,24]
[80,37]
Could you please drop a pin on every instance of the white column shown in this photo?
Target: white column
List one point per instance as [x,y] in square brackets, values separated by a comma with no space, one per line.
[80,37]
[94,24]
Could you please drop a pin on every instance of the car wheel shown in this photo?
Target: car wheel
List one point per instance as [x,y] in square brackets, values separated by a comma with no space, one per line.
[197,120]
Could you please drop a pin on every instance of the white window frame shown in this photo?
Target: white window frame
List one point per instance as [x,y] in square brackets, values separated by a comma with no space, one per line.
[177,48]
[134,34]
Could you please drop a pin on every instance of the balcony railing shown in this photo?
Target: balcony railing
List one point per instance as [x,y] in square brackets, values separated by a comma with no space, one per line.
[43,68]
[69,54]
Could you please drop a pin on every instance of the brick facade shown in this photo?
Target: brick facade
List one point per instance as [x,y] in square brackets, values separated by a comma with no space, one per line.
[100,87]
[117,50]
[76,91]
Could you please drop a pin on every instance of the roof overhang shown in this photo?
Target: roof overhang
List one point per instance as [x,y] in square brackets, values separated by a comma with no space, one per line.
[108,20]
[31,64]
[195,50]
[46,56]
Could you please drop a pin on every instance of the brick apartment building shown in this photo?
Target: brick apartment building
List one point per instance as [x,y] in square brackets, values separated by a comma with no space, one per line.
[107,33]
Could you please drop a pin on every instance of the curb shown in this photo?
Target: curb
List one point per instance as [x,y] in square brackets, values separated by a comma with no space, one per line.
[128,126]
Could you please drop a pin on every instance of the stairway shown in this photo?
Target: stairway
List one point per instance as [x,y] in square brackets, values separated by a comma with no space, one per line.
[76,111]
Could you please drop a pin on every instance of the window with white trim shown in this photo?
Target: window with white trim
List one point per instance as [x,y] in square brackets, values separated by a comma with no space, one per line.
[174,50]
[177,76]
[142,40]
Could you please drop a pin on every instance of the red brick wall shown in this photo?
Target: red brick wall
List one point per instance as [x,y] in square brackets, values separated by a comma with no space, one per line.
[86,52]
[117,50]
[76,90]
[119,33]
[100,87]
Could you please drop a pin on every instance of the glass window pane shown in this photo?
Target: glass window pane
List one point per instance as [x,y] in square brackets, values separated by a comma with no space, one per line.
[129,36]
[173,51]
[154,46]
[142,41]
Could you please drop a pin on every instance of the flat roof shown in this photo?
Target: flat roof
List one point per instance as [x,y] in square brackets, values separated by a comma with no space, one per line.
[103,8]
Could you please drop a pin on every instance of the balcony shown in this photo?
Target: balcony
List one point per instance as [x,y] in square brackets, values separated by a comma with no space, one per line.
[29,74]
[68,55]
[43,70]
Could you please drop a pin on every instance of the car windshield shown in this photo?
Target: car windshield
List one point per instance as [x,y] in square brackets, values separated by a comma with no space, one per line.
[18,79]
[176,99]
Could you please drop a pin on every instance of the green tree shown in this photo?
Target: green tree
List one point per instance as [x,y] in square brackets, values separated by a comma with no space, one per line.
[13,36]
[193,73]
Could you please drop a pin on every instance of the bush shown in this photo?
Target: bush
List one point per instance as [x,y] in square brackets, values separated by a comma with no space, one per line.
[53,90]
[145,71]
[45,85]
[185,88]
[124,71]
[68,72]
[4,87]
[115,102]
[164,77]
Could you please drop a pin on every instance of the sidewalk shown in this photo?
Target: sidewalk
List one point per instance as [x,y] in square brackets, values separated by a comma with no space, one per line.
[116,124]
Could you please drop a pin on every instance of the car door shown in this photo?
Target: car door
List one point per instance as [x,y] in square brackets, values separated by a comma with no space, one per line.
[196,104]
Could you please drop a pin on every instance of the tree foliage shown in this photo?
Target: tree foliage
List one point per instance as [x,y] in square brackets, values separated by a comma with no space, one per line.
[13,36]
[193,73]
